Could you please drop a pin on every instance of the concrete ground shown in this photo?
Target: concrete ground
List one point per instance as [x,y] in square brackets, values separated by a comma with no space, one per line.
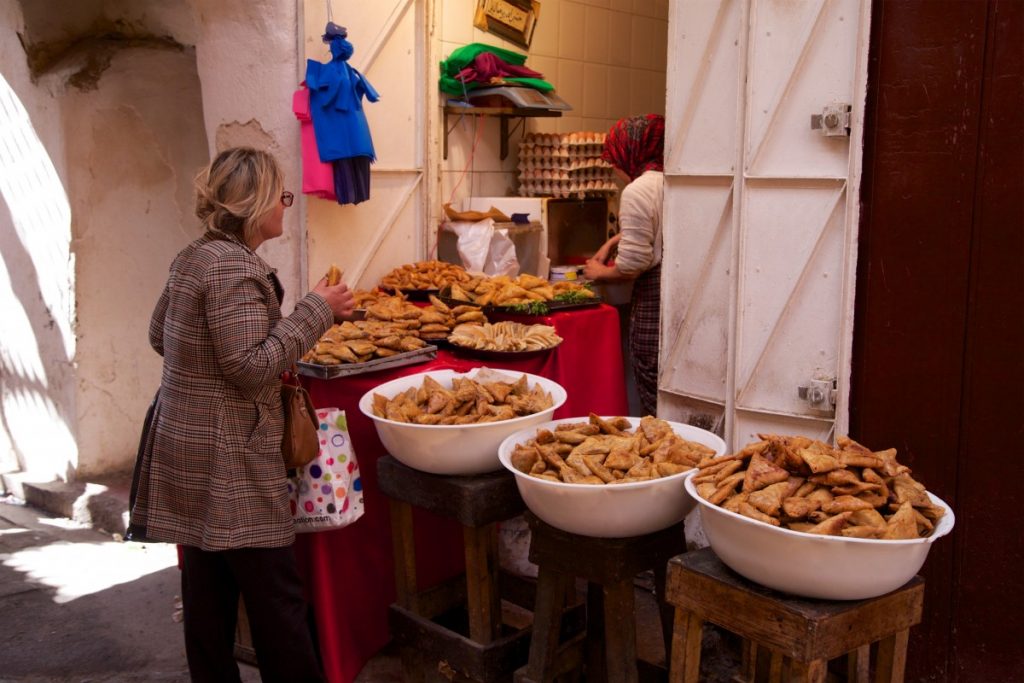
[77,604]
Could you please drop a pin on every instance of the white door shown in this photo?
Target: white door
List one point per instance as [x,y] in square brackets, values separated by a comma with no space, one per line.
[761,214]
[391,44]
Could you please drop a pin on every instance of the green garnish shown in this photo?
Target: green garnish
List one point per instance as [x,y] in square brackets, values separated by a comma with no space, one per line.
[573,297]
[530,308]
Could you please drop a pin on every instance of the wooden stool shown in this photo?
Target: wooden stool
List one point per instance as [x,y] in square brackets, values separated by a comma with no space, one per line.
[479,502]
[801,634]
[610,566]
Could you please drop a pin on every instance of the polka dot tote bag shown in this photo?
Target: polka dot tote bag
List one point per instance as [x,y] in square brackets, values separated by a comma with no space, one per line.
[328,492]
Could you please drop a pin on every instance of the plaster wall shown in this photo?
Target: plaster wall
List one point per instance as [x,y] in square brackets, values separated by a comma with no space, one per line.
[247,58]
[605,57]
[133,146]
[37,344]
[96,184]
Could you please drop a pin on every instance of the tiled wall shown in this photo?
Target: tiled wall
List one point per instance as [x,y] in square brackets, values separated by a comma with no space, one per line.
[605,57]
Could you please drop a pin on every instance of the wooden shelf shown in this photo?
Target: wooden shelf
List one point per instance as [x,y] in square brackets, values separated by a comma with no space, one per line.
[502,113]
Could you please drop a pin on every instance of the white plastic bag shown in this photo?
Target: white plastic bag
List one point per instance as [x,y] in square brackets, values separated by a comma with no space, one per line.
[484,249]
[501,257]
[328,492]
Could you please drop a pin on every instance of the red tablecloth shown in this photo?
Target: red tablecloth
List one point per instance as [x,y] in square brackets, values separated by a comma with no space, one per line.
[349,572]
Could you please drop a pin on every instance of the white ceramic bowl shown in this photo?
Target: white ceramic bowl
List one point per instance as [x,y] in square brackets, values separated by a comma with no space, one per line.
[452,449]
[813,566]
[616,511]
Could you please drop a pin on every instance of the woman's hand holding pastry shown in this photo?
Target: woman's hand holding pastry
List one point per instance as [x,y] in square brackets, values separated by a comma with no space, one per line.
[338,297]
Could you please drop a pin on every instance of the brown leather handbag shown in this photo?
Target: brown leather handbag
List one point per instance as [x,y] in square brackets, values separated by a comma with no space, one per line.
[300,442]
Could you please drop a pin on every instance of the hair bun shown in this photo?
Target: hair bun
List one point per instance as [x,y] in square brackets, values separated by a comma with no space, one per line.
[239,187]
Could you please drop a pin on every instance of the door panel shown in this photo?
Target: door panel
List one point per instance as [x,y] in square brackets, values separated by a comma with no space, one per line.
[700,277]
[802,56]
[702,90]
[788,317]
[759,302]
[369,239]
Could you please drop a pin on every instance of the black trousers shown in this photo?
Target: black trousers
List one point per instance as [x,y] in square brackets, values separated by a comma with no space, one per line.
[269,582]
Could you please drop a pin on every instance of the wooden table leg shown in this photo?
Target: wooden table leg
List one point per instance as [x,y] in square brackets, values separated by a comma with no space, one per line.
[809,672]
[775,667]
[858,665]
[892,658]
[665,611]
[484,602]
[620,632]
[547,622]
[412,669]
[684,665]
[748,665]
[404,549]
[596,644]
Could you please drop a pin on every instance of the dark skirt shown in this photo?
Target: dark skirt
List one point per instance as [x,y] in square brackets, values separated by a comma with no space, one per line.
[352,179]
[644,335]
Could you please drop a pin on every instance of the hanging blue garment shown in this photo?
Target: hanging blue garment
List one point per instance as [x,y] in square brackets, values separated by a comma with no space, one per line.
[336,91]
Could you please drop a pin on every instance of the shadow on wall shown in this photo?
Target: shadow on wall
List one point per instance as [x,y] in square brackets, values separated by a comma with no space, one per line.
[36,301]
[113,91]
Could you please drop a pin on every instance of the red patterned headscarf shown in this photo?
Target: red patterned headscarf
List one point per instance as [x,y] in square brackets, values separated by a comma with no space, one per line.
[636,144]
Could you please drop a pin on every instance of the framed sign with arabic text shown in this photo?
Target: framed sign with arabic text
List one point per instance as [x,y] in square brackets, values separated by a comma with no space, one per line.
[513,20]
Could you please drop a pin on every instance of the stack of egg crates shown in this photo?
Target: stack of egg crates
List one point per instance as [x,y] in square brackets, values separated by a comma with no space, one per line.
[563,165]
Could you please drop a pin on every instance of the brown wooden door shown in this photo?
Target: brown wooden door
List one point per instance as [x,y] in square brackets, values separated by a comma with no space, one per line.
[939,331]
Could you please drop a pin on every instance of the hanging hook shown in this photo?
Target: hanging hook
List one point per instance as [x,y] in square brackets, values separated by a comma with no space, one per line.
[332,29]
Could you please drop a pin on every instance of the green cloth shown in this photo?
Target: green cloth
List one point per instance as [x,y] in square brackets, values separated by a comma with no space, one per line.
[464,56]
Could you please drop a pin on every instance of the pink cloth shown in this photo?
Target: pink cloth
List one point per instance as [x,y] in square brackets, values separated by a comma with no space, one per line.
[317,176]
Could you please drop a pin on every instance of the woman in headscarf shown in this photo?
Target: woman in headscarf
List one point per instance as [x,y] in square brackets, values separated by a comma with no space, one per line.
[635,148]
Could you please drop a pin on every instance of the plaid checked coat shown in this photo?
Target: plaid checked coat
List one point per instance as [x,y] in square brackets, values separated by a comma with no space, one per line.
[212,475]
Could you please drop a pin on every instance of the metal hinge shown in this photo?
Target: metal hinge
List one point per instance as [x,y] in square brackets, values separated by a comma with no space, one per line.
[834,119]
[820,394]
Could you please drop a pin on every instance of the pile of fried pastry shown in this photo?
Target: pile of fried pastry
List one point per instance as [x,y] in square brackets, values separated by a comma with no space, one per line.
[392,326]
[505,336]
[806,485]
[502,290]
[361,341]
[424,275]
[606,451]
[487,398]
[434,321]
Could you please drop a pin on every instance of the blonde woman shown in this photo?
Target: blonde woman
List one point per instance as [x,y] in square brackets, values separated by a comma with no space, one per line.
[211,477]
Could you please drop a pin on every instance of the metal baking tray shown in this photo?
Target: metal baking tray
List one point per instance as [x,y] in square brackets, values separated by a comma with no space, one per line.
[422,355]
